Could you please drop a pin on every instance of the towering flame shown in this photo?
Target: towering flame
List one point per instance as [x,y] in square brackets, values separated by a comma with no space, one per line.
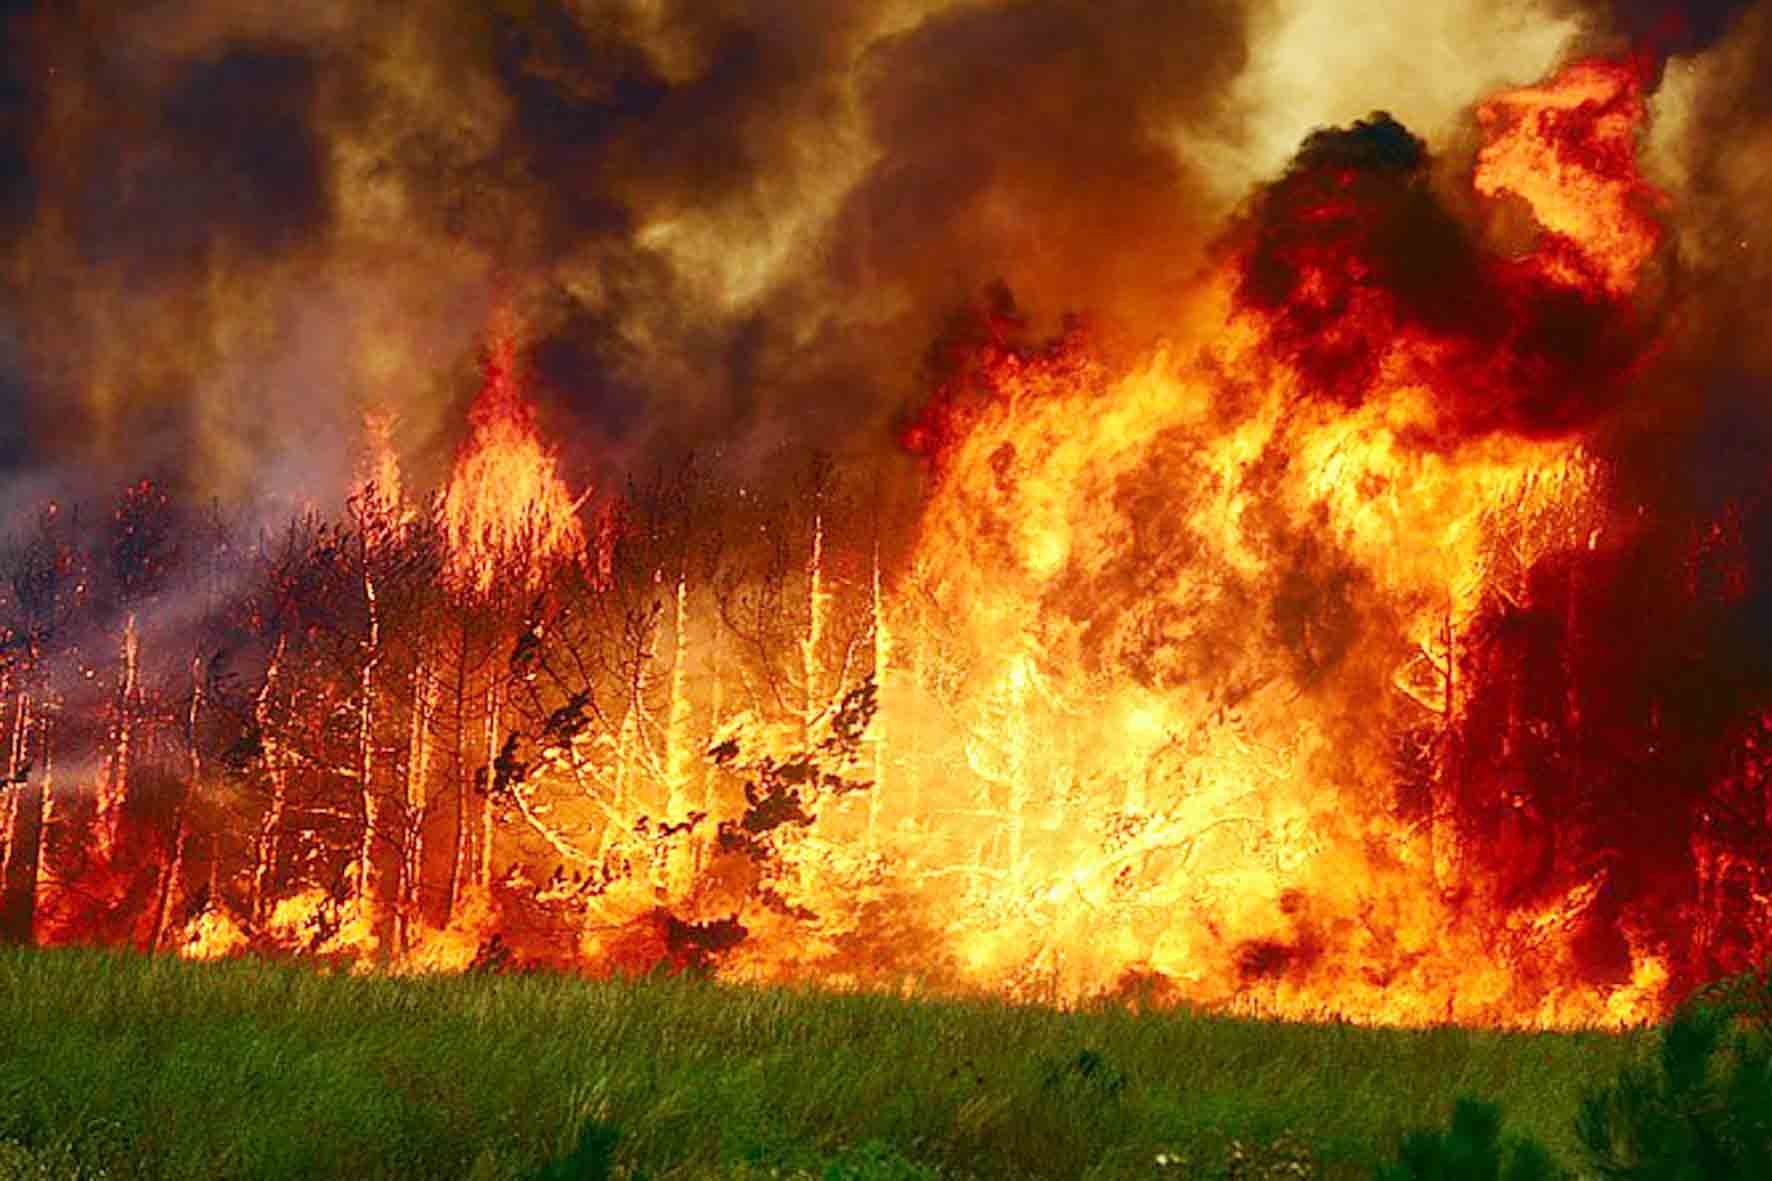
[380,486]
[508,516]
[1196,604]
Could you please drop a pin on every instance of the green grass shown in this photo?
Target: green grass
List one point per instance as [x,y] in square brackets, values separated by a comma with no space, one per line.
[120,1066]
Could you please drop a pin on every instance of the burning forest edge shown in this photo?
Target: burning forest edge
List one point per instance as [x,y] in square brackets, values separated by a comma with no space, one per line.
[1296,665]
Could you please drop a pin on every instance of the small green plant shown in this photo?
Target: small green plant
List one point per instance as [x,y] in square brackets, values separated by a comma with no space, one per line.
[874,1161]
[590,1160]
[1086,1075]
[18,1163]
[1471,1149]
[1701,1112]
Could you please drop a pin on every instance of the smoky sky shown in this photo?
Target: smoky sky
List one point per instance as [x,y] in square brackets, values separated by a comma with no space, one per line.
[1666,27]
[16,199]
[16,119]
[727,225]
[233,164]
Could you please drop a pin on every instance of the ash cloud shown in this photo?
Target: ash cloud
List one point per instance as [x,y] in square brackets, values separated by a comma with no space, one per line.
[1713,150]
[17,116]
[233,164]
[1025,143]
[1670,27]
[14,411]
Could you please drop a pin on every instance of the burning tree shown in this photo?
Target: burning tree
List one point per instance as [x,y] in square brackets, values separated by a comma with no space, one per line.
[43,577]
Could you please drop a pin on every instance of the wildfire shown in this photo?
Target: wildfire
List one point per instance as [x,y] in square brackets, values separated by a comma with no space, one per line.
[1256,672]
[508,515]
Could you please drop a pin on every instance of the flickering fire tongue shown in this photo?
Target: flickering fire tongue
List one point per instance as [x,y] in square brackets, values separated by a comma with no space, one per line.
[1568,148]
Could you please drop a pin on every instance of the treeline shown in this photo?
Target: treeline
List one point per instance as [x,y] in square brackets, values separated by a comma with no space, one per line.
[326,739]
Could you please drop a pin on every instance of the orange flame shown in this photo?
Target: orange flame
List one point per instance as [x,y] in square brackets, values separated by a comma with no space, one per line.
[213,934]
[1568,148]
[380,486]
[508,516]
[1192,606]
[1171,641]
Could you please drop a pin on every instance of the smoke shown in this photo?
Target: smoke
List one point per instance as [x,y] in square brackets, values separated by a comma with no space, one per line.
[234,228]
[1664,28]
[1353,250]
[1315,65]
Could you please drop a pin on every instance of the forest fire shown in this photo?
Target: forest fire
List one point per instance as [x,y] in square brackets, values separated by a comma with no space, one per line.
[1290,665]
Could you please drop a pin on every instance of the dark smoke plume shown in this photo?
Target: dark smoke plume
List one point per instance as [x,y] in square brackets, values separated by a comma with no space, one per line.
[1663,28]
[729,226]
[231,228]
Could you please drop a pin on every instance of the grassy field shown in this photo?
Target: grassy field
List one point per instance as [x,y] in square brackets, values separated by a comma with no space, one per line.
[115,1065]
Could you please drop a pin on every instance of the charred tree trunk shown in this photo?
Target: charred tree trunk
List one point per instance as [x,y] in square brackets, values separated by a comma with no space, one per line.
[271,825]
[115,791]
[494,718]
[175,864]
[1442,825]
[677,721]
[458,864]
[15,755]
[408,909]
[882,664]
[371,883]
[812,646]
[682,855]
[18,904]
